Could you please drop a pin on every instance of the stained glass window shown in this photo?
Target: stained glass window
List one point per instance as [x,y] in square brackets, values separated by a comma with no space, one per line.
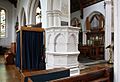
[2,24]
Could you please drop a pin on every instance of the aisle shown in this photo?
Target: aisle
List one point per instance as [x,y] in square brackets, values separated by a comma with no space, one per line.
[8,73]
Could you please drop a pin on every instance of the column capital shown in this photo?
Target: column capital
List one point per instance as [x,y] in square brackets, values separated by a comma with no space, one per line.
[49,12]
[54,12]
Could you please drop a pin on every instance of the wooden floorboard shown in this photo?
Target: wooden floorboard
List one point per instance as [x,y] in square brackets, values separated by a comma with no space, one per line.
[9,73]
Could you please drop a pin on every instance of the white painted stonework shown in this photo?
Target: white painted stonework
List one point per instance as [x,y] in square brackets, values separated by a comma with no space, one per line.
[62,46]
[108,23]
[116,41]
[54,18]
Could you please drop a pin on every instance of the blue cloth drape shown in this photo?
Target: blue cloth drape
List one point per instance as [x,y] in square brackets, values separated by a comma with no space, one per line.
[18,50]
[32,50]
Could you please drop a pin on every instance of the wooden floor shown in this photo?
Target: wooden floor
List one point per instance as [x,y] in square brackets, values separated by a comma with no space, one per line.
[9,73]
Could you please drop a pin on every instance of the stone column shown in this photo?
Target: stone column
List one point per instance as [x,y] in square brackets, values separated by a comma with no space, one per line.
[49,18]
[54,18]
[108,23]
[116,40]
[57,19]
[84,38]
[62,46]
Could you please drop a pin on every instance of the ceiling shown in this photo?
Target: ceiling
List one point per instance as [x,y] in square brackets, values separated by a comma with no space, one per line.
[14,2]
[75,4]
[80,4]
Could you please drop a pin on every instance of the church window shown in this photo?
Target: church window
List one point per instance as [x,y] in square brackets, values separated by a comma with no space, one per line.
[2,23]
[38,15]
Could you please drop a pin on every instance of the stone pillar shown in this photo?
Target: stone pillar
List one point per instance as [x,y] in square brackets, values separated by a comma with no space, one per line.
[116,40]
[57,19]
[62,46]
[54,18]
[49,18]
[108,23]
[84,38]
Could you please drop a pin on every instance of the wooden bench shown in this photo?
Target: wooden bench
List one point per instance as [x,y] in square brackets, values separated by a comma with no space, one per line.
[101,75]
[45,75]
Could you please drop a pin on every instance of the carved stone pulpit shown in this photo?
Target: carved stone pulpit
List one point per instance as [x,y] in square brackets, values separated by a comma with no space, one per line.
[62,46]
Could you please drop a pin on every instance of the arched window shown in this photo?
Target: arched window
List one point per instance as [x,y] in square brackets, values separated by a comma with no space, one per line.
[2,23]
[38,15]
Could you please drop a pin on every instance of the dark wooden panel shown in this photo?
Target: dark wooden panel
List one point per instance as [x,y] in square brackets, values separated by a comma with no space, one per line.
[80,4]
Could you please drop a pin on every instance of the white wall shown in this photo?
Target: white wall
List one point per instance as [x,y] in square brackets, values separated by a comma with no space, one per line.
[76,14]
[10,23]
[88,10]
[116,41]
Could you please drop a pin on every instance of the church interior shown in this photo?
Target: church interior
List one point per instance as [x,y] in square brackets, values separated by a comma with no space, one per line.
[59,41]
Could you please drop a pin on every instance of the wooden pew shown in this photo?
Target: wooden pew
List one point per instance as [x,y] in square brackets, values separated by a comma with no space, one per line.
[101,75]
[45,75]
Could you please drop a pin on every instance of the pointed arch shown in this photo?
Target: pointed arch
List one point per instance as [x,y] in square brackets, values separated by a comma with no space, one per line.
[29,8]
[95,20]
[22,17]
[33,4]
[59,42]
[72,42]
